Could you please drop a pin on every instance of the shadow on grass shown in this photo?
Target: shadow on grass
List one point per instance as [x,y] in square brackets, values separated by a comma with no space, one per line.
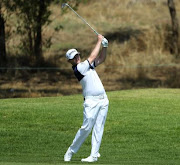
[123,34]
[19,93]
[140,83]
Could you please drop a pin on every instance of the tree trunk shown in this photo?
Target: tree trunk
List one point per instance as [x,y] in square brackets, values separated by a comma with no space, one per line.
[175,28]
[2,42]
[30,42]
[38,43]
[38,37]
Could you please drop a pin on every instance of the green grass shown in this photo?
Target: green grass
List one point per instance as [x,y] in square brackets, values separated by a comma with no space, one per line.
[143,127]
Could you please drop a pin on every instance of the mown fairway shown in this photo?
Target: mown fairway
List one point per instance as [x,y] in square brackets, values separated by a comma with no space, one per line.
[143,127]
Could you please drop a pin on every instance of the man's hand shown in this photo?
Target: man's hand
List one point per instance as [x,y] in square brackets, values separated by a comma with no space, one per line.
[100,38]
[105,43]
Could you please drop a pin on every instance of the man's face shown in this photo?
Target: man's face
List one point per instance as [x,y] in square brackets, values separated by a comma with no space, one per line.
[75,60]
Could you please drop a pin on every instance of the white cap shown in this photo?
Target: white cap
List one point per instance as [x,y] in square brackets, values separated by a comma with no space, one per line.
[71,53]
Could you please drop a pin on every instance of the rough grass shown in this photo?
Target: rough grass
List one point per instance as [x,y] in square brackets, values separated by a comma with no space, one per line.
[143,127]
[138,53]
[131,27]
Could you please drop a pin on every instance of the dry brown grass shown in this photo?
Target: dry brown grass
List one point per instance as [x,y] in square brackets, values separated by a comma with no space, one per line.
[144,25]
[138,54]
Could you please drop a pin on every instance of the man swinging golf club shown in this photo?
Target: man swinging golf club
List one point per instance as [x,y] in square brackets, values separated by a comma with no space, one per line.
[95,99]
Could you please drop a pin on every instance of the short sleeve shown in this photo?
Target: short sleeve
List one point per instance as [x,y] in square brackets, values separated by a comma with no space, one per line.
[83,67]
[93,65]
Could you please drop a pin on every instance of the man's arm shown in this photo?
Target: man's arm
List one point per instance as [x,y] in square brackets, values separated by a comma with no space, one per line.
[96,50]
[102,57]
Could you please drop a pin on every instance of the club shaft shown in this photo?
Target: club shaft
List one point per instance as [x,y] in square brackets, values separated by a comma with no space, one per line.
[82,19]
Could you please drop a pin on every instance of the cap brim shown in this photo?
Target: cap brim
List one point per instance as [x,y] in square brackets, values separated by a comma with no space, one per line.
[73,55]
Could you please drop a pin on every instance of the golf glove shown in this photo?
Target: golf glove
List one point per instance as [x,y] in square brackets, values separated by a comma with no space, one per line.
[105,43]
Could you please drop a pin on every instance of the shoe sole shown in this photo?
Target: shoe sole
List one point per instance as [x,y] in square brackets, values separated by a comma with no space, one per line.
[88,161]
[67,160]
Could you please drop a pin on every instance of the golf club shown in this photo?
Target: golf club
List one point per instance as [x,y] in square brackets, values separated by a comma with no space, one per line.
[65,4]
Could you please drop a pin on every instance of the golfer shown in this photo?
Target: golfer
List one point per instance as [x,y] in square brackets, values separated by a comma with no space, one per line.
[95,99]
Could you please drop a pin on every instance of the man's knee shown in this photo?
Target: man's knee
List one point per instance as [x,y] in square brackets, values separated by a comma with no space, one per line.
[87,125]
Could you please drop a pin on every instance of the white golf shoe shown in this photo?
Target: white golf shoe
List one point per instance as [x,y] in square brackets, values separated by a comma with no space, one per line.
[89,159]
[68,155]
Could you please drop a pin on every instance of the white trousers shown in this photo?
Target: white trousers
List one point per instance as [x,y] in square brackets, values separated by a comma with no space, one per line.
[94,116]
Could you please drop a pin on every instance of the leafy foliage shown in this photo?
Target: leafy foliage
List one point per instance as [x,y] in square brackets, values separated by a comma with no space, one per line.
[32,16]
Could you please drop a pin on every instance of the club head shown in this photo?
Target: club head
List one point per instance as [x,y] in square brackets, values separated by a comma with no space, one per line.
[64,5]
